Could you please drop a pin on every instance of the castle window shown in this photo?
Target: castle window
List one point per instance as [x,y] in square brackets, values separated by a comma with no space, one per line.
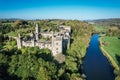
[56,48]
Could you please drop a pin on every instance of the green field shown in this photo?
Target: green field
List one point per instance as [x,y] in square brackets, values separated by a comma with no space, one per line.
[9,23]
[112,47]
[99,28]
[25,31]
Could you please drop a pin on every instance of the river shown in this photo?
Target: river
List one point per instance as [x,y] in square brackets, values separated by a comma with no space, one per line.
[95,64]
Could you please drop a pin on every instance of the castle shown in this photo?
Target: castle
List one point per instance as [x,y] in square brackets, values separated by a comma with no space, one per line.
[57,43]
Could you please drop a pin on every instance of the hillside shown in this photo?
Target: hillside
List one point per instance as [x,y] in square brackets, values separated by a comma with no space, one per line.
[108,22]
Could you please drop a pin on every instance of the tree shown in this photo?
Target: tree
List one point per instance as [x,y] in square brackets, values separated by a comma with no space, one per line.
[20,24]
[71,64]
[3,67]
[43,74]
[113,31]
[75,77]
[24,66]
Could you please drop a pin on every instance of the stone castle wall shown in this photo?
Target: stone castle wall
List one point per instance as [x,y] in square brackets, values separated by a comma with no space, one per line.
[59,40]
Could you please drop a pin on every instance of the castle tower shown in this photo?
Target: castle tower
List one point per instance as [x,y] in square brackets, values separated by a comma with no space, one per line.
[33,42]
[68,43]
[19,41]
[32,34]
[37,32]
[57,45]
[52,39]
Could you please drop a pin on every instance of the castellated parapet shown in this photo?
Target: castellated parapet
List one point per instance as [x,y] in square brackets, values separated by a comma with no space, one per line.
[57,43]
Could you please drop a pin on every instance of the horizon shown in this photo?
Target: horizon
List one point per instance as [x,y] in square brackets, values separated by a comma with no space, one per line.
[58,19]
[60,9]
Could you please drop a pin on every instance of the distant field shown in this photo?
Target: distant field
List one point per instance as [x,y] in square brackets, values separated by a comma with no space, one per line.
[112,47]
[9,23]
[99,28]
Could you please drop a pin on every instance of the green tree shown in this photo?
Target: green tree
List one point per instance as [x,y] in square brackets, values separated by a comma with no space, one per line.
[20,24]
[3,67]
[24,66]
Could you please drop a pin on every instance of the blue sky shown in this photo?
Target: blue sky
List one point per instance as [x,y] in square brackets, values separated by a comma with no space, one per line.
[60,9]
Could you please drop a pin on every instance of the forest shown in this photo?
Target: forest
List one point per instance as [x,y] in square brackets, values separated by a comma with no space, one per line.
[32,63]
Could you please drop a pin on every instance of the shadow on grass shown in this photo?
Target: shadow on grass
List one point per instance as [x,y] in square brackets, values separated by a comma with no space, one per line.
[71,41]
[118,59]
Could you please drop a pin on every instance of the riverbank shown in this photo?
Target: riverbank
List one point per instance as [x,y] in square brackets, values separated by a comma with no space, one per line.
[111,60]
[95,65]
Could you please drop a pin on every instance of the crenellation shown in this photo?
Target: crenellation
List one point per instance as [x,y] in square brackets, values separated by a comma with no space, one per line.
[46,34]
[59,40]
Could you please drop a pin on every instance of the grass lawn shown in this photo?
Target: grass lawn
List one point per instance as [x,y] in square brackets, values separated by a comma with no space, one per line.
[9,23]
[23,30]
[113,47]
[12,34]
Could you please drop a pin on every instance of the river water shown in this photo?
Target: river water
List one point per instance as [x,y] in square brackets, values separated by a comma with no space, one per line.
[95,65]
